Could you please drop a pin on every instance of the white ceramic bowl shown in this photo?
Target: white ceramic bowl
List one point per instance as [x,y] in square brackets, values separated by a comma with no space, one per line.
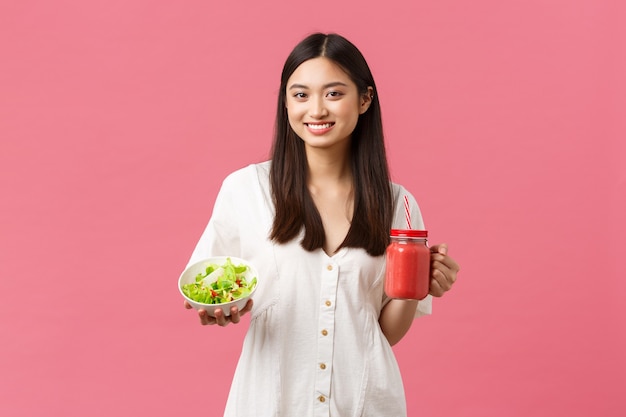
[189,276]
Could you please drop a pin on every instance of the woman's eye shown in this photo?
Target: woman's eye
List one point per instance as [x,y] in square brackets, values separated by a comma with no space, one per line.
[333,94]
[299,95]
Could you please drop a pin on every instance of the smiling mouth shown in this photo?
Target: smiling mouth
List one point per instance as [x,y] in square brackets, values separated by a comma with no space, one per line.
[319,126]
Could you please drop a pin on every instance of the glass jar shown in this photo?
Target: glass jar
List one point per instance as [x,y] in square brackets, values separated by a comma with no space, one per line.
[408,265]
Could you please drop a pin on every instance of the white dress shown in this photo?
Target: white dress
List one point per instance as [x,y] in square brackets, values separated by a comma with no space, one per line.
[314,346]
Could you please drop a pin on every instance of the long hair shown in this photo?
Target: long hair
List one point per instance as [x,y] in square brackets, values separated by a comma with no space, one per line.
[373,205]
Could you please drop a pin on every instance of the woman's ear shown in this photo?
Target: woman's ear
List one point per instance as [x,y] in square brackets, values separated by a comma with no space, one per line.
[366,100]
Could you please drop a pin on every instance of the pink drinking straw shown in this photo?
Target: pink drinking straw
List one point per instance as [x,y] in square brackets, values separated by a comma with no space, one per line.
[407,212]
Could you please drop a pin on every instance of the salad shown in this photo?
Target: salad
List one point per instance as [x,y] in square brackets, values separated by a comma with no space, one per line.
[230,285]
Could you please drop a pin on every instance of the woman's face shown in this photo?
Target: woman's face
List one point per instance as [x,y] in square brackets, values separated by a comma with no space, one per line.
[324,104]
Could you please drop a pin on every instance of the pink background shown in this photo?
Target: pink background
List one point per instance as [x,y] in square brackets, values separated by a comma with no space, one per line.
[120,118]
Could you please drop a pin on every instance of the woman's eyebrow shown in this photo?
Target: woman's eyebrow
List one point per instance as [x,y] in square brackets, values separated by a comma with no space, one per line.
[329,85]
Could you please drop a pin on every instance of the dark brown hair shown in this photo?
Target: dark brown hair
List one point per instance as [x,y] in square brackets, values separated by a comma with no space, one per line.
[373,205]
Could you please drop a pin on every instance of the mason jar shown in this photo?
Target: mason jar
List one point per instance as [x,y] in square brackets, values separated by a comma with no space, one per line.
[408,265]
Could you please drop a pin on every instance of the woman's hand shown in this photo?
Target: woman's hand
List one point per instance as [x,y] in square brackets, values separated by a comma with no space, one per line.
[220,319]
[443,270]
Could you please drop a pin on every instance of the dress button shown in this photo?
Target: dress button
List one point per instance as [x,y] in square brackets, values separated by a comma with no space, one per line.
[322,366]
[324,332]
[322,398]
[328,303]
[329,267]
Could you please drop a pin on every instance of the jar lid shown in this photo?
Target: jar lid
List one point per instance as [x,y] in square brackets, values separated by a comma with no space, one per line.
[409,233]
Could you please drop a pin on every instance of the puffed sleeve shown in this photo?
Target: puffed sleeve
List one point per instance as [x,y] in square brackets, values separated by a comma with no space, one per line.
[425,306]
[221,236]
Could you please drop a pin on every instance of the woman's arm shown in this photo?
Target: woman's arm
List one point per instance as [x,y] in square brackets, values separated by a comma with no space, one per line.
[396,319]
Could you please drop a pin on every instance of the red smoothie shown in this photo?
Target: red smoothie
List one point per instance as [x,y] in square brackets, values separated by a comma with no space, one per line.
[408,265]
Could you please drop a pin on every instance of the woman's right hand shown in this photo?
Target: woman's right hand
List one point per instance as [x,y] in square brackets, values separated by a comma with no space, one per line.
[220,319]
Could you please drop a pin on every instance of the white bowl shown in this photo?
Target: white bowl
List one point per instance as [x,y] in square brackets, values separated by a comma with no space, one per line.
[189,276]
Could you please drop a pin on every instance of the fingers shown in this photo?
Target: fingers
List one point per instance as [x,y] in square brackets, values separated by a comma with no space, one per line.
[235,315]
[441,279]
[439,253]
[443,271]
[441,248]
[435,289]
[220,318]
[205,319]
[446,265]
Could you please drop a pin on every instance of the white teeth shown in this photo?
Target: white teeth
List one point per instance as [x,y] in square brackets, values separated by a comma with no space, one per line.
[320,127]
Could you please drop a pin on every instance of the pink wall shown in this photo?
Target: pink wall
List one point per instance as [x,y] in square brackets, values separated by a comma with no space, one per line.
[119,119]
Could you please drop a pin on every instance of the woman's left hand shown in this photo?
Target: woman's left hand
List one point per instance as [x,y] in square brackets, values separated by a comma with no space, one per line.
[443,270]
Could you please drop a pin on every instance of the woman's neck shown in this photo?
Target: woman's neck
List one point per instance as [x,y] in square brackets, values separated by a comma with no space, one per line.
[327,168]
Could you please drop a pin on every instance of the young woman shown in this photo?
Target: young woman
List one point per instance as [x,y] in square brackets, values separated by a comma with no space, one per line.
[315,221]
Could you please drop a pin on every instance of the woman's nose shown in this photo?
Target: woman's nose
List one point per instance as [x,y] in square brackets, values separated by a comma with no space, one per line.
[318,108]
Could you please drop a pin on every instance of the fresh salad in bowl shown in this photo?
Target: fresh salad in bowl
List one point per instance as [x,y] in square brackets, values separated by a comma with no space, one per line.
[219,284]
